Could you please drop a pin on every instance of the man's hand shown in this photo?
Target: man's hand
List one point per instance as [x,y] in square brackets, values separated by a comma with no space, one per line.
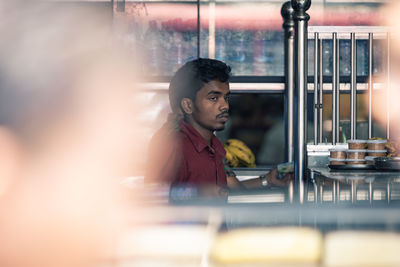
[212,192]
[272,178]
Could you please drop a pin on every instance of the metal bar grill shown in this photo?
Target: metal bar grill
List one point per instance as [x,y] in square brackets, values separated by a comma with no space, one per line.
[352,35]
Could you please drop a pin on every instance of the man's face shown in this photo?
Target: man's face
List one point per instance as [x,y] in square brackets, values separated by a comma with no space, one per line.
[211,106]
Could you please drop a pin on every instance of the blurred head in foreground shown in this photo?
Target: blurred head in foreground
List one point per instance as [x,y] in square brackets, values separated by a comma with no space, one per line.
[382,100]
[65,134]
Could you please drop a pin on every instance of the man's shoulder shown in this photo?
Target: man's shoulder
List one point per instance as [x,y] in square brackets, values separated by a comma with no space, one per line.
[166,133]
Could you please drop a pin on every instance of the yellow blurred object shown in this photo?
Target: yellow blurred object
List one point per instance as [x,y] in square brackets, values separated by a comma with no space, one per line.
[375,138]
[238,154]
[280,245]
[361,248]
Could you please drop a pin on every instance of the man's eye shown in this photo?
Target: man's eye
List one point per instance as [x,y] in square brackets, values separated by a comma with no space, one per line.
[213,98]
[227,98]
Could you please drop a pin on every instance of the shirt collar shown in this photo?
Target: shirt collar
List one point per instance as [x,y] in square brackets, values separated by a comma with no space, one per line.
[198,141]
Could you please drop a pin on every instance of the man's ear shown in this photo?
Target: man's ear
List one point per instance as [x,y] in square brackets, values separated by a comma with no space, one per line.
[187,105]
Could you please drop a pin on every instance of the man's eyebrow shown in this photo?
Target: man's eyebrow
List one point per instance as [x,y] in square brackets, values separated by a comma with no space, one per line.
[217,93]
[214,93]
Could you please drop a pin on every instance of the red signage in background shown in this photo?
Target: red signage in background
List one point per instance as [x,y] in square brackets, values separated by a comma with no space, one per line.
[246,16]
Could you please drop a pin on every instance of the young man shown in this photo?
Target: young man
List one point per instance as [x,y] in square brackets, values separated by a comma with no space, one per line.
[185,153]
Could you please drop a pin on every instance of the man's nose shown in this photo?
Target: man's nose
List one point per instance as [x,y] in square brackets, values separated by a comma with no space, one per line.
[224,105]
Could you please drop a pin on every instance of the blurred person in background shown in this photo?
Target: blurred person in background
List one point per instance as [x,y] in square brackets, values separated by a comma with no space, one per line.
[66,132]
[185,154]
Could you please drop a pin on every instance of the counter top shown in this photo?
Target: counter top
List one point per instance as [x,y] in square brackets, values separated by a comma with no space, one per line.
[369,185]
[369,176]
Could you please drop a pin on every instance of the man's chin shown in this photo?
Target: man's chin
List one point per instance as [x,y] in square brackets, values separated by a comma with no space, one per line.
[221,128]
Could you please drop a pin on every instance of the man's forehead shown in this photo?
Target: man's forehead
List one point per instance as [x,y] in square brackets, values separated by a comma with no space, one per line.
[216,86]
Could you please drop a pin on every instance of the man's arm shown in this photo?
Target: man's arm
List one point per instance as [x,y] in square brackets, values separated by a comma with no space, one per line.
[271,179]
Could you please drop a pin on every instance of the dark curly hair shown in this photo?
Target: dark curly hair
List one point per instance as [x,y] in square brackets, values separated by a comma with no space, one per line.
[192,76]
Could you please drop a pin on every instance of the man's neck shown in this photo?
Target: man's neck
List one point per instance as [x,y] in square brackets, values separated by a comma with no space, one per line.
[205,133]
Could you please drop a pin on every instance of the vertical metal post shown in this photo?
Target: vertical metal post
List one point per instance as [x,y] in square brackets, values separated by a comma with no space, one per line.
[290,192]
[353,88]
[112,11]
[301,20]
[120,5]
[315,192]
[388,89]
[334,191]
[287,13]
[321,90]
[370,84]
[370,193]
[198,28]
[334,86]
[321,193]
[211,29]
[316,104]
[337,90]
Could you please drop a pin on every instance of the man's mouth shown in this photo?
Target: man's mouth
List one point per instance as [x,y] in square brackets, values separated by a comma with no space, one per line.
[224,115]
[223,118]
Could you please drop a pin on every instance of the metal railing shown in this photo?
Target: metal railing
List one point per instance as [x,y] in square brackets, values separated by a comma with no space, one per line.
[319,33]
[297,35]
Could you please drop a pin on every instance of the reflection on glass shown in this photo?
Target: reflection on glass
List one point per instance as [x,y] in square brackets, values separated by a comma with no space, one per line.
[166,32]
[246,34]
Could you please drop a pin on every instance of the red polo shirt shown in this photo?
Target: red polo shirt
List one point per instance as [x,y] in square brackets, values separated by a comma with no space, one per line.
[183,157]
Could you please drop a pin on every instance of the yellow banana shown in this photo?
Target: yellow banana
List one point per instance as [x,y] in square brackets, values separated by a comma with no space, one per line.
[243,157]
[231,159]
[242,147]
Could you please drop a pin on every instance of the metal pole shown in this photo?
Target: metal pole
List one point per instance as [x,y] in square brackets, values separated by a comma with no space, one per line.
[290,192]
[388,89]
[211,29]
[287,13]
[316,104]
[370,192]
[120,5]
[337,91]
[198,28]
[370,85]
[353,88]
[315,193]
[334,191]
[301,20]
[321,193]
[321,91]
[334,86]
